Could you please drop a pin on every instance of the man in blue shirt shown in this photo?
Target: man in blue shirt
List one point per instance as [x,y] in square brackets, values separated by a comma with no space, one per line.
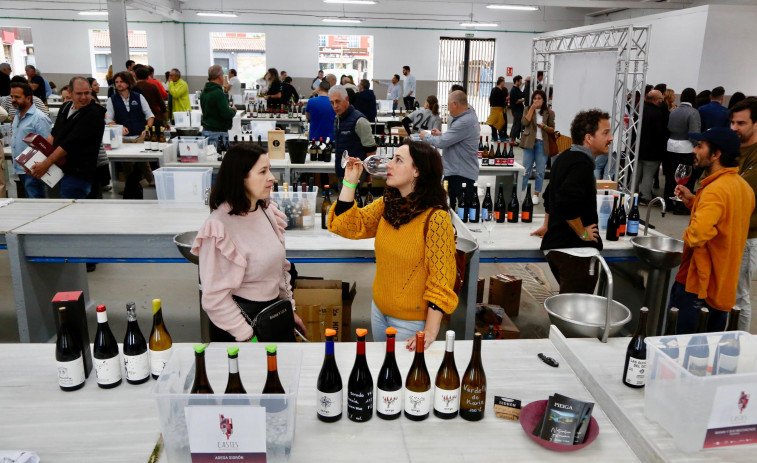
[714,114]
[28,120]
[320,113]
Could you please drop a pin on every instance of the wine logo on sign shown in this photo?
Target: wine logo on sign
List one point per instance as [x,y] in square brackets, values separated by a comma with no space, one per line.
[416,400]
[227,426]
[743,401]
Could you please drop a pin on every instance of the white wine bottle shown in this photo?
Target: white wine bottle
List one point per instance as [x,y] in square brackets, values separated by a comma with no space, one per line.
[447,392]
[160,341]
[418,394]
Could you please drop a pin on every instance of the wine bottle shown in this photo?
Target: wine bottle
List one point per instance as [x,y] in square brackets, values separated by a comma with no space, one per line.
[162,139]
[480,147]
[155,140]
[473,389]
[622,219]
[160,341]
[698,350]
[329,399]
[510,157]
[462,205]
[474,210]
[613,227]
[500,209]
[632,227]
[513,209]
[313,151]
[325,207]
[728,349]
[447,392]
[527,213]
[733,319]
[358,197]
[369,195]
[487,207]
[234,383]
[201,384]
[604,210]
[319,149]
[105,353]
[670,340]
[272,383]
[360,384]
[634,371]
[418,384]
[136,358]
[68,355]
[328,148]
[389,383]
[498,156]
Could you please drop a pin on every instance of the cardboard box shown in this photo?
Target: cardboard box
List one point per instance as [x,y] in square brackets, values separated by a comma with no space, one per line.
[504,291]
[348,296]
[76,315]
[319,304]
[276,148]
[494,316]
[399,131]
[480,291]
[606,185]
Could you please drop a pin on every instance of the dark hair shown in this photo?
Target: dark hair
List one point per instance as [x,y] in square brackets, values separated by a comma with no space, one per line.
[52,85]
[129,63]
[500,79]
[406,67]
[689,95]
[142,73]
[434,103]
[749,104]
[397,76]
[726,159]
[229,186]
[123,75]
[365,83]
[324,86]
[457,87]
[233,71]
[517,78]
[76,78]
[717,92]
[287,80]
[168,74]
[275,74]
[586,122]
[702,99]
[428,186]
[19,79]
[29,66]
[539,74]
[150,69]
[648,88]
[661,88]
[26,88]
[351,95]
[736,98]
[544,107]
[90,80]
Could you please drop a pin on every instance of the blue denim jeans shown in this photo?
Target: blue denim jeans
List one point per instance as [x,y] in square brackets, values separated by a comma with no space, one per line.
[689,306]
[213,137]
[405,328]
[535,155]
[600,163]
[35,188]
[74,187]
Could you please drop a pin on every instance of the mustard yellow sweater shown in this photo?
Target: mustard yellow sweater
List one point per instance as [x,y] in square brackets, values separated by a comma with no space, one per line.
[411,269]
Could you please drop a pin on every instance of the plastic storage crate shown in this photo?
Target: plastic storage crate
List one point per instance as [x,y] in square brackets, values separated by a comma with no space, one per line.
[299,207]
[183,185]
[706,409]
[113,137]
[172,394]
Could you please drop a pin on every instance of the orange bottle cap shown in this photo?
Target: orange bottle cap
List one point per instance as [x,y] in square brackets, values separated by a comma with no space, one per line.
[361,331]
[330,332]
[391,330]
[420,334]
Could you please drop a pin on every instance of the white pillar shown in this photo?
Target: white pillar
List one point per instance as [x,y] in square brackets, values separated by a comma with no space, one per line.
[119,34]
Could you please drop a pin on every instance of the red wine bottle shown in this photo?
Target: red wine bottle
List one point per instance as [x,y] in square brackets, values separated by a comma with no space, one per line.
[136,359]
[105,353]
[329,386]
[527,213]
[68,355]
[634,371]
[500,209]
[201,384]
[389,383]
[513,209]
[360,384]
[613,225]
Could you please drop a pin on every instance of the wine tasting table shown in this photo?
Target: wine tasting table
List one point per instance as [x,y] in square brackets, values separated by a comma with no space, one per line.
[122,424]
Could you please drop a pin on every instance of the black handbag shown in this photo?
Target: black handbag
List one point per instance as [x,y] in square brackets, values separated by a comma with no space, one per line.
[270,322]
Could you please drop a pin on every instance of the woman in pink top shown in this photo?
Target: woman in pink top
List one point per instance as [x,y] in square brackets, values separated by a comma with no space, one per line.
[241,246]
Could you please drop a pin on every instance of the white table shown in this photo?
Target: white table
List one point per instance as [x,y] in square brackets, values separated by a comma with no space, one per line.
[122,424]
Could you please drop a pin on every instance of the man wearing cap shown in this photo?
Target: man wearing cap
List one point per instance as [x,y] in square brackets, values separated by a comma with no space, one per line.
[715,238]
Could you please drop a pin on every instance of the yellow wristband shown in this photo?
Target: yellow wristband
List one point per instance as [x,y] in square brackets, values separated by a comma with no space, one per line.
[348,184]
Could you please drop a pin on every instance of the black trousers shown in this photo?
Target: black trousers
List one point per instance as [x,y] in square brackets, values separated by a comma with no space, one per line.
[517,127]
[409,102]
[455,187]
[572,272]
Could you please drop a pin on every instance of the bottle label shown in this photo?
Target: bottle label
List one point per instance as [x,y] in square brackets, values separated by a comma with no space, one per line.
[108,370]
[329,403]
[496,215]
[484,213]
[697,365]
[622,229]
[461,213]
[727,364]
[417,403]
[636,372]
[472,215]
[308,221]
[158,360]
[360,404]
[475,398]
[525,215]
[137,366]
[509,215]
[446,400]
[71,373]
[388,402]
[632,227]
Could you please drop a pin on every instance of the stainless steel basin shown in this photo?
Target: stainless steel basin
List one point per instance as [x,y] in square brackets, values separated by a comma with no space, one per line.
[658,252]
[467,246]
[184,241]
[583,315]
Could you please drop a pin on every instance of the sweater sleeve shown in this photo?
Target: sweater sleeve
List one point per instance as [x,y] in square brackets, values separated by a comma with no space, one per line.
[221,272]
[703,225]
[285,283]
[357,223]
[440,262]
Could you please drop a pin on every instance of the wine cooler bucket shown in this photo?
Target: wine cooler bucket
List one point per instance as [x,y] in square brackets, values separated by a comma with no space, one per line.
[172,394]
[706,395]
[299,208]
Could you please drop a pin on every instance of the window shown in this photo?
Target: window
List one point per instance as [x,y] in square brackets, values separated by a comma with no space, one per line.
[350,55]
[243,51]
[470,63]
[100,55]
[18,49]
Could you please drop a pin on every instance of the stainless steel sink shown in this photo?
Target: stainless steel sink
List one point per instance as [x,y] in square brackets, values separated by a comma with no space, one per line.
[467,246]
[184,241]
[658,252]
[583,315]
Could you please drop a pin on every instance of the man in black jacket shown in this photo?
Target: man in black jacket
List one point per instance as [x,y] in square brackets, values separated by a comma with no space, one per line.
[570,232]
[76,137]
[653,144]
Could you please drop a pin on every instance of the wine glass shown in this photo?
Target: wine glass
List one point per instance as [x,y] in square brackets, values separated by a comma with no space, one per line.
[682,176]
[374,165]
[489,222]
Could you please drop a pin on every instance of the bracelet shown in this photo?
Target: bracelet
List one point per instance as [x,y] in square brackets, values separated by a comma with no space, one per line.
[585,235]
[348,184]
[433,306]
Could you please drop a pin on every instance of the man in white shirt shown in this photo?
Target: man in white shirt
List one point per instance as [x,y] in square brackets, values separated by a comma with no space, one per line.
[394,91]
[234,87]
[119,108]
[409,95]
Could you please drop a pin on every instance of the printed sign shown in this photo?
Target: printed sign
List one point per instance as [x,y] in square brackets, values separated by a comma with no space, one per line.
[226,433]
[733,420]
[509,72]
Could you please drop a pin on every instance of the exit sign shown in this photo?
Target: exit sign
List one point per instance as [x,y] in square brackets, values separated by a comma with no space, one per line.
[469,34]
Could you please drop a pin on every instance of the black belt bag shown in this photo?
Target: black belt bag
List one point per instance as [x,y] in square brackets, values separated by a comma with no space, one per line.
[271,321]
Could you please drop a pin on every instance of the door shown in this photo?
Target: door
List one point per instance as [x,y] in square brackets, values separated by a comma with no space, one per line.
[468,62]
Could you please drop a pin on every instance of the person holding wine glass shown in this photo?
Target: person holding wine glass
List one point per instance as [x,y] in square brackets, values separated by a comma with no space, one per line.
[243,266]
[415,242]
[352,131]
[715,238]
[537,121]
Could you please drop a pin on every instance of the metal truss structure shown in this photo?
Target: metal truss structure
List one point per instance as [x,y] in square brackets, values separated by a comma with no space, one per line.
[631,44]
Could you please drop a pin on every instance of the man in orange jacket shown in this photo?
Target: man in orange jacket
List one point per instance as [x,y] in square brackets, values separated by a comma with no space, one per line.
[715,238]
